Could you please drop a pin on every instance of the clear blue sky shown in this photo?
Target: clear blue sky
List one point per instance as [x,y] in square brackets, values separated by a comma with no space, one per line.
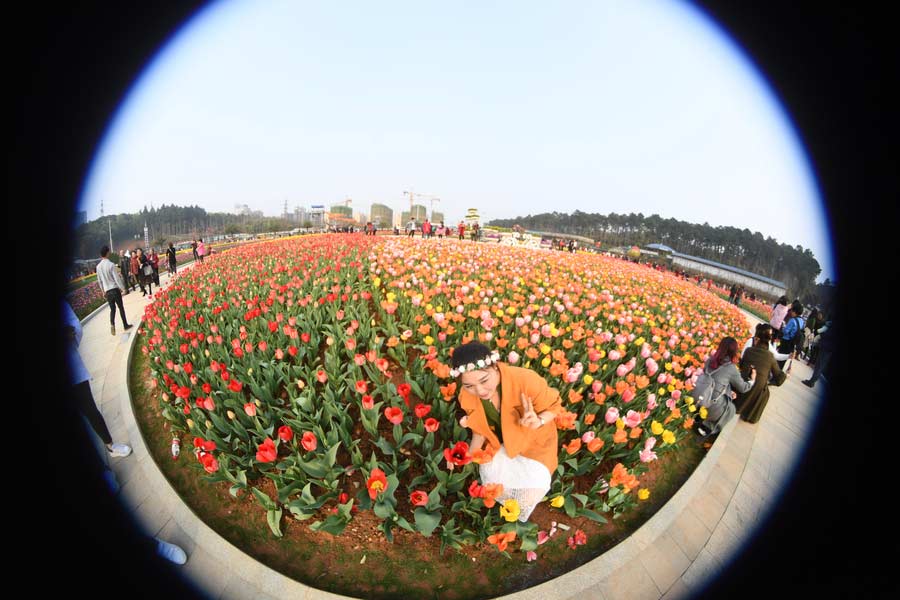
[514,108]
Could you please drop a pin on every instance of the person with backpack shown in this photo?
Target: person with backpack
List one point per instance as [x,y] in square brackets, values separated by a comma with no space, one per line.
[714,387]
[792,334]
[750,405]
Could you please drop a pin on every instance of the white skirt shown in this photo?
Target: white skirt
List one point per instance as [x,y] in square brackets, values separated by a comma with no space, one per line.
[524,479]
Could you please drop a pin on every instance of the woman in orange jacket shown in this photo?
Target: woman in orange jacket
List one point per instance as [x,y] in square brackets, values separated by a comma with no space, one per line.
[513,410]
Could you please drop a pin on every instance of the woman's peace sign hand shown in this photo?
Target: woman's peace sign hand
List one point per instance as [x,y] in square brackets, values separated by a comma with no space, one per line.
[530,418]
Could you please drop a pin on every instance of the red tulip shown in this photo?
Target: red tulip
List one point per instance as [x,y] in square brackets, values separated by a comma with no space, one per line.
[210,464]
[362,387]
[322,376]
[418,498]
[285,433]
[432,424]
[377,483]
[367,402]
[235,385]
[250,409]
[309,441]
[422,410]
[458,455]
[394,415]
[266,452]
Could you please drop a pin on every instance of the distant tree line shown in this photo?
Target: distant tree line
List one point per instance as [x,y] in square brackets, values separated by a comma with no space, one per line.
[795,266]
[166,223]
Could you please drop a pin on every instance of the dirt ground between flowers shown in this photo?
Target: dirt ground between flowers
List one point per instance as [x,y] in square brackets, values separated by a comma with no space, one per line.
[361,562]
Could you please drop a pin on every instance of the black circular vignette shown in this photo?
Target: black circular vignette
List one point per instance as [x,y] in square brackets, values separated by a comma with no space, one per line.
[830,68]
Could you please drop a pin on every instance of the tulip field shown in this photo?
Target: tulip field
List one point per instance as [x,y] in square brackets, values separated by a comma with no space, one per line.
[312,374]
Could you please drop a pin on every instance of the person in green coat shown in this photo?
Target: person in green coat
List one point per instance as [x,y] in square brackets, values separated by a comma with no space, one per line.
[750,405]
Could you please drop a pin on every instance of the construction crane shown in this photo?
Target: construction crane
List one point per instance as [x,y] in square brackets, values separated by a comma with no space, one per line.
[430,197]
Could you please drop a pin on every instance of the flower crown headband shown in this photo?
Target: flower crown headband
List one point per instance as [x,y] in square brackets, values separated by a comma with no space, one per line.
[480,364]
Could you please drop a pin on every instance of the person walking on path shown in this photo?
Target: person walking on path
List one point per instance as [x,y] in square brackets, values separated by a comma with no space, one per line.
[779,312]
[201,250]
[194,250]
[170,255]
[750,405]
[475,230]
[411,228]
[825,345]
[727,380]
[136,272]
[125,268]
[145,273]
[80,379]
[461,229]
[733,293]
[426,229]
[113,287]
[153,259]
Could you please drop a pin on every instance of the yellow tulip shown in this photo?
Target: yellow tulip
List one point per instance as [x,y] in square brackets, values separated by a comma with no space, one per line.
[545,349]
[190,424]
[668,437]
[668,366]
[546,361]
[510,510]
[558,502]
[703,412]
[692,408]
[656,427]
[165,397]
[588,380]
[439,309]
[429,340]
[208,424]
[661,391]
[230,415]
[643,494]
[250,371]
[377,282]
[620,424]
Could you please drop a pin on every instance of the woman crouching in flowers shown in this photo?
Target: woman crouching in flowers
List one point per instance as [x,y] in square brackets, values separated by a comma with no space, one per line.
[513,410]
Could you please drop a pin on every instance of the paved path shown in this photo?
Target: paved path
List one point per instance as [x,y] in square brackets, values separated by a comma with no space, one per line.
[672,555]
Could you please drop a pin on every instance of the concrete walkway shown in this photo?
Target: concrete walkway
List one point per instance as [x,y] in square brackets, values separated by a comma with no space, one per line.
[672,555]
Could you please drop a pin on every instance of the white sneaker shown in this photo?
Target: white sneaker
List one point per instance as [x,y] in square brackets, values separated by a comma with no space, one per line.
[119,450]
[171,552]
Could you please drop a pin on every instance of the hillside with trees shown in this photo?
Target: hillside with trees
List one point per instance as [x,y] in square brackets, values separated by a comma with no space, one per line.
[166,223]
[793,265]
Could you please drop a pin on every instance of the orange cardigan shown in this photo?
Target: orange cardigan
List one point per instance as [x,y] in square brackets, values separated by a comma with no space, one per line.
[541,444]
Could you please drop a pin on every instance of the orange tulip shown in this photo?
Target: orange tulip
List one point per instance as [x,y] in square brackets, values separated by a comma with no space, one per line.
[635,433]
[575,397]
[594,445]
[620,437]
[573,446]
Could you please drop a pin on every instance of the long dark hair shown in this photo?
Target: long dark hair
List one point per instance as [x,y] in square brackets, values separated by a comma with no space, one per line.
[728,349]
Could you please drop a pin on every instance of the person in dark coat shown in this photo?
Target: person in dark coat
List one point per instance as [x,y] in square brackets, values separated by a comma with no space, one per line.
[825,345]
[170,255]
[750,405]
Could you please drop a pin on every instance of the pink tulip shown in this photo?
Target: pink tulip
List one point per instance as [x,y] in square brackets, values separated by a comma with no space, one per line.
[661,378]
[647,456]
[614,355]
[676,394]
[628,395]
[531,555]
[597,387]
[513,357]
[612,413]
[588,436]
[632,418]
[545,331]
[535,338]
[621,370]
[651,402]
[650,443]
[442,336]
[520,322]
[543,538]
[652,367]
[670,403]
